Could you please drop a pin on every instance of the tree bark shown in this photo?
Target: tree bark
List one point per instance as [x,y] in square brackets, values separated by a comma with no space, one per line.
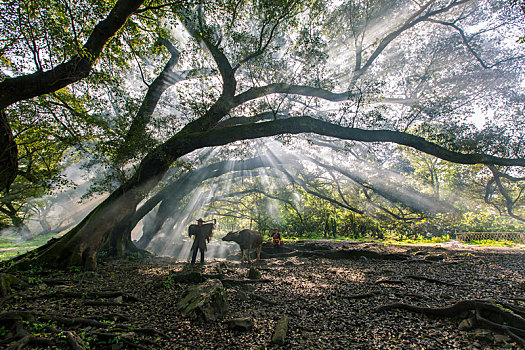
[8,154]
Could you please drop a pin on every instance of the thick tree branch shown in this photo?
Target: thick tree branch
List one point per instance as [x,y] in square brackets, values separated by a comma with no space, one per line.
[200,32]
[24,87]
[191,141]
[158,7]
[8,154]
[164,80]
[509,202]
[420,15]
[264,116]
[78,67]
[257,92]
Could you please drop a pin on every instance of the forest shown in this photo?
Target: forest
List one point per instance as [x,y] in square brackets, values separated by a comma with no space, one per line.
[377,137]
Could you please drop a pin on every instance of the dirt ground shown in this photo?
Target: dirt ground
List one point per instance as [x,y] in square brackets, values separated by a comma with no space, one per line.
[329,290]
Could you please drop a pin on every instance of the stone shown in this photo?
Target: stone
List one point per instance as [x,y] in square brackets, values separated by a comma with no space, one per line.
[254,274]
[280,331]
[467,324]
[187,277]
[483,335]
[89,274]
[242,295]
[118,299]
[434,257]
[501,339]
[521,285]
[248,288]
[241,324]
[206,301]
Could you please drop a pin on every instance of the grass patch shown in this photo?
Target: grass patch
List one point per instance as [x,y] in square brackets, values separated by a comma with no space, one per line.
[11,246]
[490,242]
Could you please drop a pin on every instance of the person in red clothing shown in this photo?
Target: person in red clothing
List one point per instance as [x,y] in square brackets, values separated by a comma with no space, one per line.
[276,236]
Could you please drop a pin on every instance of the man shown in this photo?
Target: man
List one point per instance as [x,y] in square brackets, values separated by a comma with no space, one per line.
[202,233]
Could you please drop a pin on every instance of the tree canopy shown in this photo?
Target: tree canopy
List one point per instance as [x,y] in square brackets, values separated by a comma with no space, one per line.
[353,91]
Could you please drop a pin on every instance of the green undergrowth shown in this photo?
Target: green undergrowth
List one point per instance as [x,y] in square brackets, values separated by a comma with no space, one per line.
[396,240]
[11,246]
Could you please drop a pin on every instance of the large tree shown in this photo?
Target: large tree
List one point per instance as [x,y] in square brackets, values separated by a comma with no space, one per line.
[276,68]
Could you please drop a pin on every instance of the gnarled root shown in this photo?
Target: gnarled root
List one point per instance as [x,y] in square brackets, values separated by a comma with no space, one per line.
[20,323]
[495,315]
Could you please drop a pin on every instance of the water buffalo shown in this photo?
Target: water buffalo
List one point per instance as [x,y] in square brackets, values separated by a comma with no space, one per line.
[202,235]
[247,240]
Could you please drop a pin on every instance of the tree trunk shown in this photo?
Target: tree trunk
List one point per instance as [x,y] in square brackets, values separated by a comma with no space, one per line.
[8,154]
[150,231]
[119,243]
[81,245]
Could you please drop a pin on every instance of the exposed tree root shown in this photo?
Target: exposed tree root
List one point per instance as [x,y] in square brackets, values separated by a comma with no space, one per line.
[104,303]
[125,338]
[86,295]
[112,316]
[495,315]
[233,282]
[432,280]
[362,295]
[28,340]
[20,337]
[153,331]
[388,281]
[337,254]
[74,341]
[263,299]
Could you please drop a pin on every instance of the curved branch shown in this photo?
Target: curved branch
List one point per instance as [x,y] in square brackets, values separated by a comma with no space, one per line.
[188,142]
[509,202]
[155,90]
[297,181]
[198,32]
[262,47]
[466,42]
[413,20]
[261,91]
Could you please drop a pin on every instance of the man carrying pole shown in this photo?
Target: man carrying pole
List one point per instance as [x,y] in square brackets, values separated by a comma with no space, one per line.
[202,233]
